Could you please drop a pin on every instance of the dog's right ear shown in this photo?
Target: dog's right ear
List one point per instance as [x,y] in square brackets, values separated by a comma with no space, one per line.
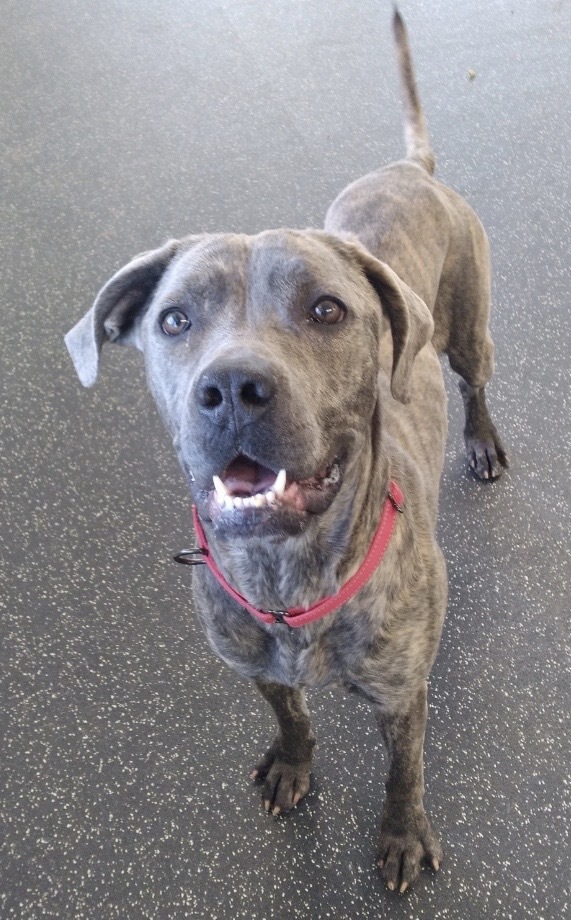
[115,315]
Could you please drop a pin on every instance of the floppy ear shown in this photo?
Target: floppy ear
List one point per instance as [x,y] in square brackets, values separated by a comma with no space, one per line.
[115,315]
[409,317]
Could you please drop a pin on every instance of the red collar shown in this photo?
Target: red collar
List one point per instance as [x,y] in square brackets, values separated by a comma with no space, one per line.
[301,616]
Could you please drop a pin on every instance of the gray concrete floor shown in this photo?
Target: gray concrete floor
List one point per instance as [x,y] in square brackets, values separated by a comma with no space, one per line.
[124,795]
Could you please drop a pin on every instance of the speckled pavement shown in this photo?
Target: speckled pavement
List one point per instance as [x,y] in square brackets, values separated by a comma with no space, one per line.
[126,744]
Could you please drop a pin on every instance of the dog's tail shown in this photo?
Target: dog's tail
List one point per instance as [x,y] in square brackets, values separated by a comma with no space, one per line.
[415,131]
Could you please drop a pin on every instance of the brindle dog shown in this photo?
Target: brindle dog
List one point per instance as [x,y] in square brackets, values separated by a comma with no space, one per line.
[297,373]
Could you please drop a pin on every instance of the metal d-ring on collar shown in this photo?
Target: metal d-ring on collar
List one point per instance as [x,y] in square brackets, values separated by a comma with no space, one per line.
[184,557]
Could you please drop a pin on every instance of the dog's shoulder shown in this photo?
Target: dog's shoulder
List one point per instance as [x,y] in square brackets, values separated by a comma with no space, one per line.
[419,427]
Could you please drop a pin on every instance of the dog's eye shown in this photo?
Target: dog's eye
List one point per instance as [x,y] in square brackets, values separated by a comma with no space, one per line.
[174,322]
[327,311]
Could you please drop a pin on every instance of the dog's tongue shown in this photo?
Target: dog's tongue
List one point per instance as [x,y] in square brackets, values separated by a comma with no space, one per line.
[246,477]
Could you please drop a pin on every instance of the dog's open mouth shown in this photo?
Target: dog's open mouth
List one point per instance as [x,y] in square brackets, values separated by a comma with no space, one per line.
[247,492]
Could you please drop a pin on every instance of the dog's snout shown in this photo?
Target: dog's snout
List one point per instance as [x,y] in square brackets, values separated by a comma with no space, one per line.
[235,394]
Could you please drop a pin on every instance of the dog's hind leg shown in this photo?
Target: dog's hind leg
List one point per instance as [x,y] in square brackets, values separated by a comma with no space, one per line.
[285,770]
[471,353]
[486,453]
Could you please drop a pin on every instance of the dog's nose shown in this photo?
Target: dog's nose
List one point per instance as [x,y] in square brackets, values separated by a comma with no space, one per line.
[235,394]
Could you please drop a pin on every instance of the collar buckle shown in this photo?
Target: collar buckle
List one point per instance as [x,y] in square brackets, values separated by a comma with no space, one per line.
[279,616]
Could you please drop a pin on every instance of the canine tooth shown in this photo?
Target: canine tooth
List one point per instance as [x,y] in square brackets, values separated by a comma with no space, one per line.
[270,497]
[221,489]
[280,483]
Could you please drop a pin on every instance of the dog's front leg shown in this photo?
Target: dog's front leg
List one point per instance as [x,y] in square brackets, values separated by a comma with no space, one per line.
[285,770]
[406,835]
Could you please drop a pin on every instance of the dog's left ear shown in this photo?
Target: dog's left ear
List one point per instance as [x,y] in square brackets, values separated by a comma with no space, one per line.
[409,317]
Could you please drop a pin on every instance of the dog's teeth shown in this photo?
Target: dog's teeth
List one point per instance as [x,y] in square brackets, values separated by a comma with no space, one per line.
[259,500]
[221,490]
[280,483]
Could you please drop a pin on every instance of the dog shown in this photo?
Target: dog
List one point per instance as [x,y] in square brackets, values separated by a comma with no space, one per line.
[297,373]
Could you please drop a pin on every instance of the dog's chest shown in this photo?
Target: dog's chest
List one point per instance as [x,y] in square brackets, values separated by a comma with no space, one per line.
[324,653]
[312,656]
[287,656]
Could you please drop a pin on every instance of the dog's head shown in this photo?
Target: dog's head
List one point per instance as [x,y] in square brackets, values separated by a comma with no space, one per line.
[262,355]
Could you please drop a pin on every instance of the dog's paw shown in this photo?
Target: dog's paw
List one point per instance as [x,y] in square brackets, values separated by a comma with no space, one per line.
[407,840]
[283,784]
[486,453]
[487,457]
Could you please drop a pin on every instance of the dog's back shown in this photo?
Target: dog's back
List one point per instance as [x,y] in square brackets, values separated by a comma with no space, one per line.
[435,242]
